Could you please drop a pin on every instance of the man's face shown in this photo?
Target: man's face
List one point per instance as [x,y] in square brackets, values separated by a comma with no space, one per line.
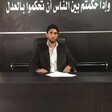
[52,35]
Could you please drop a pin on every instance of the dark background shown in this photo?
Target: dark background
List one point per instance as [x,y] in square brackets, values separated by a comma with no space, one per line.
[88,33]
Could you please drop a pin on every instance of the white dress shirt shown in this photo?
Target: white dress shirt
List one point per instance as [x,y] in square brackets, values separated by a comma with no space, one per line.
[53,58]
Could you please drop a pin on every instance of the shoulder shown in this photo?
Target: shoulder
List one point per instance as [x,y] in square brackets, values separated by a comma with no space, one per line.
[41,43]
[62,44]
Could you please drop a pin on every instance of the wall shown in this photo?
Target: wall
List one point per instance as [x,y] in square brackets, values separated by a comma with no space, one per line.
[86,25]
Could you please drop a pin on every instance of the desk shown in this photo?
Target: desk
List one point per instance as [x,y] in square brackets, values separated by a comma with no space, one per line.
[26,92]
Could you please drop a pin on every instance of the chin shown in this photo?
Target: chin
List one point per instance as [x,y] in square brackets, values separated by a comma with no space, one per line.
[52,41]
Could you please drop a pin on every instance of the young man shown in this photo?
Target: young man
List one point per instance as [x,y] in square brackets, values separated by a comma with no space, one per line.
[51,55]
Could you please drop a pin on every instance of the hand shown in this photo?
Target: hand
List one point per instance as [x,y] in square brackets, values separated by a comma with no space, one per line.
[67,69]
[41,71]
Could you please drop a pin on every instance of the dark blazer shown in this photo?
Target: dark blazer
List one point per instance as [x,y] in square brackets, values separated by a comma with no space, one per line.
[41,57]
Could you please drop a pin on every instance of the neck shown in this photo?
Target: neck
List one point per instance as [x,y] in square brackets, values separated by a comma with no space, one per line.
[52,45]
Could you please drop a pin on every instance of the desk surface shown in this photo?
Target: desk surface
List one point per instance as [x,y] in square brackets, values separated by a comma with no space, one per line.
[27,92]
[33,78]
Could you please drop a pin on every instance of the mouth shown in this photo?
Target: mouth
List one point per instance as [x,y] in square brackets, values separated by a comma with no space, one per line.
[52,40]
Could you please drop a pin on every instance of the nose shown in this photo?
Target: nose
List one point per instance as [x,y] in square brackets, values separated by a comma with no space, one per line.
[52,35]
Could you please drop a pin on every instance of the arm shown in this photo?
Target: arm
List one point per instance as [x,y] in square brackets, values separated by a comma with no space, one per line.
[35,65]
[35,59]
[71,62]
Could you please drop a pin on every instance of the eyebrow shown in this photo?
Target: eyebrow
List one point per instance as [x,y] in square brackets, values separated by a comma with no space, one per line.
[53,32]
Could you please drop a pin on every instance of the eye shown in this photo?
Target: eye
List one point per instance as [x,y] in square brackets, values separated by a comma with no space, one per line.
[51,32]
[55,33]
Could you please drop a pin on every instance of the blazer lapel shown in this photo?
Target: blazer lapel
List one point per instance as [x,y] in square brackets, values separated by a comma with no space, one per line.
[58,56]
[47,57]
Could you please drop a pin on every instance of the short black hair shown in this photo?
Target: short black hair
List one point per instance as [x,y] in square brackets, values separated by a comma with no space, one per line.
[52,26]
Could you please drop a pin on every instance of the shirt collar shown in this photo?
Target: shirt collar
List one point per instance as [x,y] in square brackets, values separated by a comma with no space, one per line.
[49,46]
